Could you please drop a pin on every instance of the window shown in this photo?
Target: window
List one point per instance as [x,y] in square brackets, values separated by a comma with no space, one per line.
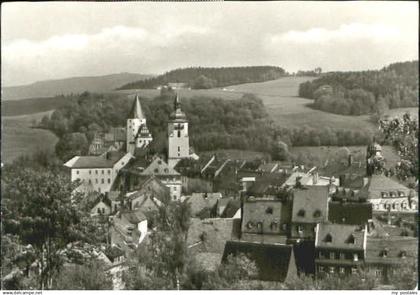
[90,172]
[321,269]
[332,255]
[301,213]
[174,188]
[274,225]
[321,255]
[96,171]
[96,181]
[77,171]
[317,213]
[284,226]
[179,149]
[354,270]
[299,229]
[179,133]
[250,225]
[351,240]
[342,256]
[342,270]
[403,254]
[269,210]
[109,180]
[99,210]
[90,181]
[103,171]
[378,272]
[355,257]
[384,253]
[331,269]
[328,238]
[260,227]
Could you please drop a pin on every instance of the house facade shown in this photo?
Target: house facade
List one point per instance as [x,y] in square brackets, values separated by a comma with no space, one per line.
[97,173]
[339,248]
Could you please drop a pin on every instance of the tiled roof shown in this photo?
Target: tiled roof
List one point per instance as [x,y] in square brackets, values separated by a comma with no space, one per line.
[216,231]
[105,161]
[273,261]
[395,246]
[342,236]
[159,167]
[263,183]
[349,212]
[380,183]
[103,199]
[310,204]
[199,201]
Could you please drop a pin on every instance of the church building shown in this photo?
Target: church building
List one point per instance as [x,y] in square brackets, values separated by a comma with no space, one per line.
[138,135]
[178,138]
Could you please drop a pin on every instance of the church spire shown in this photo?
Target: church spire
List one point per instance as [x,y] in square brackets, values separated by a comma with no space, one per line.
[177,103]
[136,111]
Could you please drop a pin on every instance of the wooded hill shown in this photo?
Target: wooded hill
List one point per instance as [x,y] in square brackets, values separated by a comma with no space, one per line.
[205,78]
[356,93]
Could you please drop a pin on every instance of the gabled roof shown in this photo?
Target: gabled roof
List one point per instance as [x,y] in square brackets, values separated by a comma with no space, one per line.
[394,246]
[380,183]
[102,198]
[274,262]
[107,160]
[199,201]
[133,217]
[267,183]
[343,236]
[160,168]
[349,212]
[136,111]
[310,204]
[143,132]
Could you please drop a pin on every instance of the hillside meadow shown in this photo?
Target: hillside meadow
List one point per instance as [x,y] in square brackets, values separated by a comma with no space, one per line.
[18,138]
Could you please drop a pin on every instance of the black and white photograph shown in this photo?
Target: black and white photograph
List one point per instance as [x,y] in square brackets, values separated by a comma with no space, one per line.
[209,145]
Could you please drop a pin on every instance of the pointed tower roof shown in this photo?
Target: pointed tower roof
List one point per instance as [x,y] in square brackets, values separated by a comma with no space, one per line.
[136,111]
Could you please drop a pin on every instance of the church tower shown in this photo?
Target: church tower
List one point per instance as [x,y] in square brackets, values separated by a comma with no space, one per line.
[138,135]
[178,140]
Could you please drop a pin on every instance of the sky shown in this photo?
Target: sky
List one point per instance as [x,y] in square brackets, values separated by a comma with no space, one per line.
[54,40]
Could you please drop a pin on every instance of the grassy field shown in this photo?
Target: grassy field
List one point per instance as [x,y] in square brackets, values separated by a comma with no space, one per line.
[333,152]
[18,138]
[30,106]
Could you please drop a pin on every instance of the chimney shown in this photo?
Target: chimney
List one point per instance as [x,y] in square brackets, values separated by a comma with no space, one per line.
[315,177]
[365,181]
[342,179]
[350,160]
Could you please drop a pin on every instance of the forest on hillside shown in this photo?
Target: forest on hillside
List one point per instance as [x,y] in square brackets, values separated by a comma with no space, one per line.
[205,78]
[215,123]
[365,92]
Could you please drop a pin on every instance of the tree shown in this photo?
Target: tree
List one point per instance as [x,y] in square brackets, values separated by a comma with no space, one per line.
[405,276]
[72,144]
[161,263]
[402,134]
[89,276]
[39,210]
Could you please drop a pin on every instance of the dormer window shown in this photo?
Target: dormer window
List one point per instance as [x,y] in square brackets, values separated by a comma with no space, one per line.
[260,227]
[351,240]
[301,213]
[403,254]
[384,195]
[401,194]
[328,238]
[384,253]
[269,210]
[250,225]
[317,213]
[156,170]
[274,225]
